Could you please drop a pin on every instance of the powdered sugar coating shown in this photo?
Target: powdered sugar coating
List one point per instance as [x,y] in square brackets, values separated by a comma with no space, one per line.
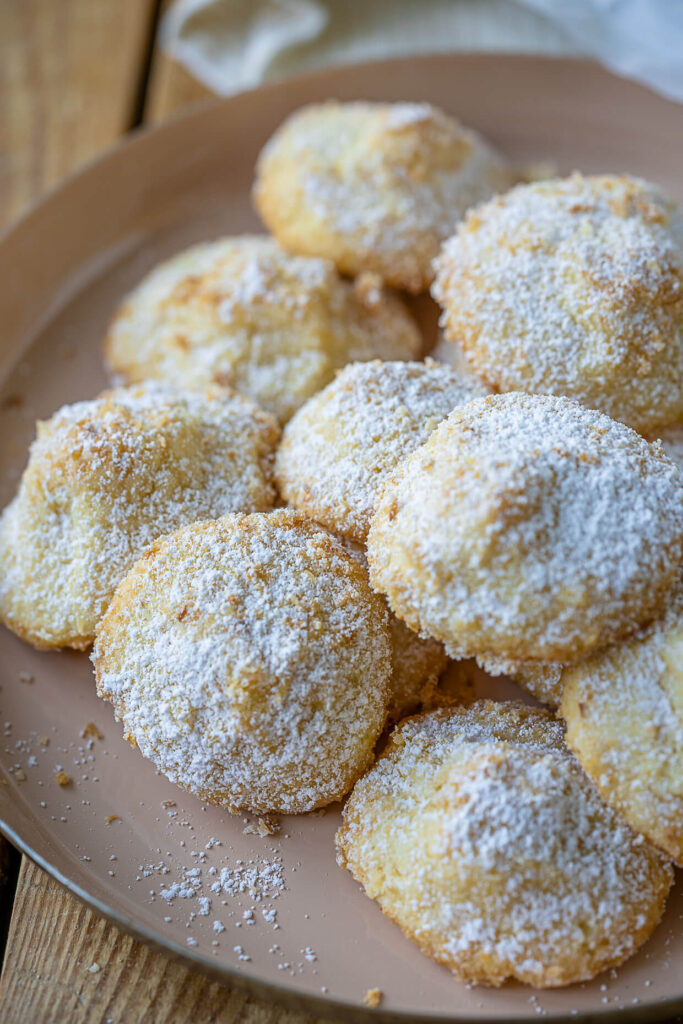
[241,311]
[339,446]
[106,477]
[624,713]
[480,836]
[528,528]
[373,186]
[573,287]
[249,659]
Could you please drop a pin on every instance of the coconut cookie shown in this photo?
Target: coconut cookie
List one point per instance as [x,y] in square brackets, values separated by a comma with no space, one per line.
[250,661]
[108,476]
[624,713]
[339,446]
[373,186]
[242,312]
[528,528]
[480,836]
[416,662]
[573,287]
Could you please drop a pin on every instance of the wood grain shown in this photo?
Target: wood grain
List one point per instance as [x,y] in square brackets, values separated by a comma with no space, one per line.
[171,88]
[54,941]
[70,71]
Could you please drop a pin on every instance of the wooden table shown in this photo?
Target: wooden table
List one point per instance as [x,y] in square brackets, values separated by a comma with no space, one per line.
[77,74]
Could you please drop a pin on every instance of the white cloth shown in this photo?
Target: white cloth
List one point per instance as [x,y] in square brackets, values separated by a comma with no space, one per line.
[231,45]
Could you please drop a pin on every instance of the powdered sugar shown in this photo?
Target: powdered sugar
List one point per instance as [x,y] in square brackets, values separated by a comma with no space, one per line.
[250,660]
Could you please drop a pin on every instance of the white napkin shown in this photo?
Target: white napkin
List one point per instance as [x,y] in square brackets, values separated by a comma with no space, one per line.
[231,45]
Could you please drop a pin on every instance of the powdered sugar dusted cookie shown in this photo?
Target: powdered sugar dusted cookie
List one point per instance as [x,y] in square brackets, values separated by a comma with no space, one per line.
[108,476]
[573,287]
[624,713]
[242,312]
[480,836]
[338,448]
[248,658]
[528,528]
[373,186]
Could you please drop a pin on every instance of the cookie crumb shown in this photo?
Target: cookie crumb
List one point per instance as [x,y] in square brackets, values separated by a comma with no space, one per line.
[112,817]
[62,779]
[262,827]
[44,741]
[373,997]
[90,731]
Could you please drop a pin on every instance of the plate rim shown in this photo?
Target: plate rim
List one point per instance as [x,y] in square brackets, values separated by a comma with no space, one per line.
[322,1005]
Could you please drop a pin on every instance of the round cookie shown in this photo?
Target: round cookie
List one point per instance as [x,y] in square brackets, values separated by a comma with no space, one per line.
[528,528]
[480,836]
[416,662]
[249,660]
[624,714]
[104,479]
[242,312]
[573,287]
[339,446]
[373,186]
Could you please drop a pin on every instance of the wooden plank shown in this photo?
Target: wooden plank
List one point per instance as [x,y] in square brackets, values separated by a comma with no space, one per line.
[171,87]
[54,941]
[71,73]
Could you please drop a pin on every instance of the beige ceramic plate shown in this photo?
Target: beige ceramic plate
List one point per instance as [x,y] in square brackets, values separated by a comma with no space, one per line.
[275,913]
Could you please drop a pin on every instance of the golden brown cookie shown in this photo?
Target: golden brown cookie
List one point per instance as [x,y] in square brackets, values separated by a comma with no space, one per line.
[624,714]
[242,312]
[340,445]
[373,186]
[528,528]
[573,287]
[108,476]
[480,836]
[248,658]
